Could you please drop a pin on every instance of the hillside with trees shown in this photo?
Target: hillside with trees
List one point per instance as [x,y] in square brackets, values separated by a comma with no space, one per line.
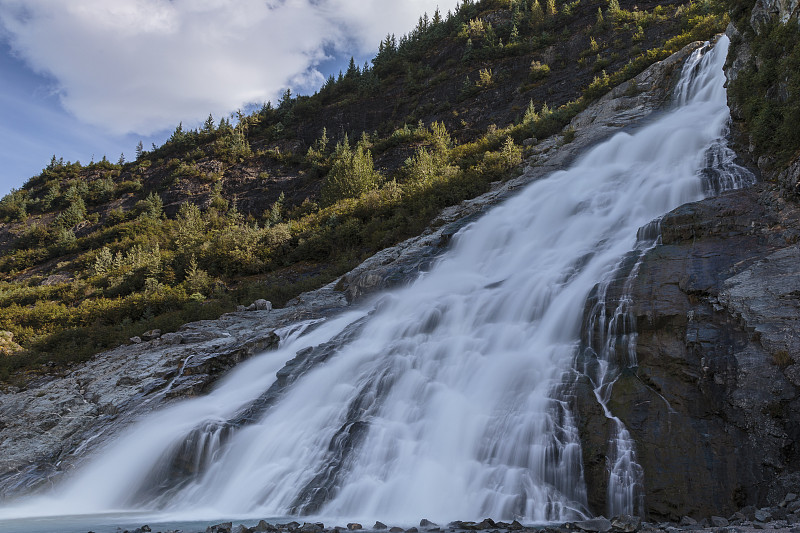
[285,199]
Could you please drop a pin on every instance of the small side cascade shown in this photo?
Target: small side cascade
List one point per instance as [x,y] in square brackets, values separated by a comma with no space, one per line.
[610,349]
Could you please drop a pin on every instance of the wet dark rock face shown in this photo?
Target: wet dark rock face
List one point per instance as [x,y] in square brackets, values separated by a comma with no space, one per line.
[713,404]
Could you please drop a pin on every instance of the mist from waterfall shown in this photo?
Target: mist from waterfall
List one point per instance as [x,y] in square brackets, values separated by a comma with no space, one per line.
[439,402]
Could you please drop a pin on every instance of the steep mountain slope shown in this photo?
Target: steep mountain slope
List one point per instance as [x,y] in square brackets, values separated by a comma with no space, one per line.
[293,195]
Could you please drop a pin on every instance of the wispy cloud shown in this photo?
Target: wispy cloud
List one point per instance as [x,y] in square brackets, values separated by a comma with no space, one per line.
[144,65]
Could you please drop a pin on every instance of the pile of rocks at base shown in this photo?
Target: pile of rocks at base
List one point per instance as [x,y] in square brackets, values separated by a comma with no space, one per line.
[783,518]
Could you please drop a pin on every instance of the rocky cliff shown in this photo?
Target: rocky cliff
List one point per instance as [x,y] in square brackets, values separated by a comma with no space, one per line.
[712,402]
[712,398]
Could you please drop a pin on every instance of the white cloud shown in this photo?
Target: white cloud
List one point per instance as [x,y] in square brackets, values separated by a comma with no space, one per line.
[144,65]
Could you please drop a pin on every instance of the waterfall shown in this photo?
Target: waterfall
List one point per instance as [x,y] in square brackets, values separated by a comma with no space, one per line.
[438,400]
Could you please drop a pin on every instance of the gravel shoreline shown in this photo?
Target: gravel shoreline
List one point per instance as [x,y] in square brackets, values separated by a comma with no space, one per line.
[785,517]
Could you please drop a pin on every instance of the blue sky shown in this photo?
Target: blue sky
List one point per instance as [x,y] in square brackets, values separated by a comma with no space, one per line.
[81,79]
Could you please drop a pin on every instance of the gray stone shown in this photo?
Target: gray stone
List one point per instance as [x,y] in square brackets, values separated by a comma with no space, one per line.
[171,338]
[224,527]
[264,526]
[594,525]
[353,526]
[763,515]
[718,521]
[626,523]
[136,340]
[379,525]
[151,334]
[766,11]
[426,523]
[262,305]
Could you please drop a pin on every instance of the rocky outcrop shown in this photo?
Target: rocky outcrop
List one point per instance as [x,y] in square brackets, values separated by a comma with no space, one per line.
[717,308]
[766,11]
[51,424]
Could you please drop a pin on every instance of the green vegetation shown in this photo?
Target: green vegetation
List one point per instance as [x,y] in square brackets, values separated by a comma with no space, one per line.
[767,91]
[271,203]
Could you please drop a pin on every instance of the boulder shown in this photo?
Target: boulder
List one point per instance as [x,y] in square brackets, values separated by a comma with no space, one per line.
[486,523]
[260,305]
[626,523]
[151,335]
[762,515]
[718,521]
[171,338]
[594,525]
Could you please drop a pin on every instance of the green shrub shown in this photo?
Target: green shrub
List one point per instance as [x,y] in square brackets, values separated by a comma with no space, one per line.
[539,71]
[352,174]
[13,206]
[72,215]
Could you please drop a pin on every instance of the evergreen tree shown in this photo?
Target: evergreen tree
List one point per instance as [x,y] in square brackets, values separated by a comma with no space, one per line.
[286,99]
[208,125]
[352,70]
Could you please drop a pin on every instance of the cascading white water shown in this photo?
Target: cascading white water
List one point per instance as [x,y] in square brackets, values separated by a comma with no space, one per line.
[442,405]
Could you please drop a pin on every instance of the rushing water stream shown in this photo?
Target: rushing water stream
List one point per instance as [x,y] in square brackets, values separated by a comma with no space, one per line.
[441,400]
